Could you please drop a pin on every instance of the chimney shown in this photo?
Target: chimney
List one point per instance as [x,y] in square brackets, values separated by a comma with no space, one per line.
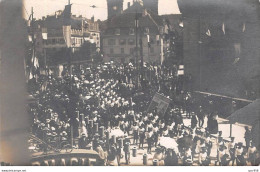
[128,4]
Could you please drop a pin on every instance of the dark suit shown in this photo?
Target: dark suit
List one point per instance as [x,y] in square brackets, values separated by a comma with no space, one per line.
[83,143]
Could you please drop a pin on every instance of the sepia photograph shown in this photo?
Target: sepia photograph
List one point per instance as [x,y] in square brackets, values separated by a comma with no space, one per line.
[129,83]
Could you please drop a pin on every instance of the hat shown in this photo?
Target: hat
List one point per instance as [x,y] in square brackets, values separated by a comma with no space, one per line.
[240,144]
[203,148]
[158,149]
[223,147]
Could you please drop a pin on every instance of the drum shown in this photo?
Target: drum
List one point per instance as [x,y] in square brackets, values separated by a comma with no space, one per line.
[145,159]
[91,124]
[95,127]
[134,151]
[155,162]
[101,131]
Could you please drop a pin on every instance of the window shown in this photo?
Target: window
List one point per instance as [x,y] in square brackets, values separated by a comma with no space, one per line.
[48,41]
[122,41]
[161,30]
[151,50]
[146,31]
[91,27]
[117,32]
[53,41]
[111,42]
[131,41]
[111,51]
[151,40]
[131,51]
[62,41]
[132,31]
[122,51]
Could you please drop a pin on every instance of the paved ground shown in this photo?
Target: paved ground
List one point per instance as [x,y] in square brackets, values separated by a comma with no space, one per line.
[225,128]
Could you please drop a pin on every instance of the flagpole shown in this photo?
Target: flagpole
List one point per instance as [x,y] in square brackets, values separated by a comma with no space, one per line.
[33,40]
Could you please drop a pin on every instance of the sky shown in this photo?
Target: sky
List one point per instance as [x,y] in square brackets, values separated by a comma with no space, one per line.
[82,7]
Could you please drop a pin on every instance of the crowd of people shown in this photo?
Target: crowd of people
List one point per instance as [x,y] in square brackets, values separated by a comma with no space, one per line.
[104,107]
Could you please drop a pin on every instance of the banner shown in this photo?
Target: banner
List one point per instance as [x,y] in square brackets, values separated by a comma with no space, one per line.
[159,103]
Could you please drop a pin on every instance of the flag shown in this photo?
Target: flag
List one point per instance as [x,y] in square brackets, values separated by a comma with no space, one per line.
[67,35]
[136,23]
[31,75]
[162,54]
[148,38]
[208,32]
[181,24]
[60,70]
[30,38]
[236,61]
[35,62]
[223,28]
[166,28]
[44,36]
[237,47]
[244,27]
[157,37]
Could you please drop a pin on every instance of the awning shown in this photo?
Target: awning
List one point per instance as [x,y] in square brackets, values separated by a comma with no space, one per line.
[248,115]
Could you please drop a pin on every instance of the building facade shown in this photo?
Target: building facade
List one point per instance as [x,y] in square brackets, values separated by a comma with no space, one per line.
[221,43]
[63,30]
[124,42]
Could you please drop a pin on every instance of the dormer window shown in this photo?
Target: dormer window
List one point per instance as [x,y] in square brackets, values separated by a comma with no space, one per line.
[117,32]
[132,31]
